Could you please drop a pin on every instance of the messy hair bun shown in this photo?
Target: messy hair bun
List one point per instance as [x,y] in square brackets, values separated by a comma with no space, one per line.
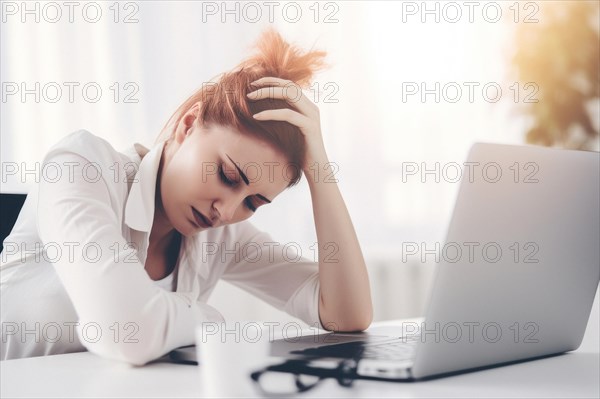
[224,101]
[276,57]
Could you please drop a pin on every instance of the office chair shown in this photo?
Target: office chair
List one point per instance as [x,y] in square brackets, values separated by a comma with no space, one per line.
[10,206]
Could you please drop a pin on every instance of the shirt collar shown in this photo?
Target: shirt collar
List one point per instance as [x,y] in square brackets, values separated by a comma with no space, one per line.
[139,209]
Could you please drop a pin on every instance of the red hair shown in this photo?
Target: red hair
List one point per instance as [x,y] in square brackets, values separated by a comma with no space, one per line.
[224,100]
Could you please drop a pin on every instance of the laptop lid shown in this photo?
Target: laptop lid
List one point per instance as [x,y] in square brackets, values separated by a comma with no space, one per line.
[519,270]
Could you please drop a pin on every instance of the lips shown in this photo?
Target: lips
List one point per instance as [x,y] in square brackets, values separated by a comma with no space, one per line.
[200,219]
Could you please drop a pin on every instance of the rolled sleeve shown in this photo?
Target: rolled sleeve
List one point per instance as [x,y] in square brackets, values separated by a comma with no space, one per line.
[122,314]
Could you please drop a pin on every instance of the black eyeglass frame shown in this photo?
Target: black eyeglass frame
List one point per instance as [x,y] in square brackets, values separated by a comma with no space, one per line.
[344,373]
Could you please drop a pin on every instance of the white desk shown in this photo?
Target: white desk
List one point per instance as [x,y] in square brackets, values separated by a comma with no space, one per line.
[574,374]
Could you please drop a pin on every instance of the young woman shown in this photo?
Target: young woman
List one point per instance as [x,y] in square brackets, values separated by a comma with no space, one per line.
[104,231]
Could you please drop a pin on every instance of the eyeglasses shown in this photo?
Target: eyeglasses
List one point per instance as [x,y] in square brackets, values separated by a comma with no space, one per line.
[300,375]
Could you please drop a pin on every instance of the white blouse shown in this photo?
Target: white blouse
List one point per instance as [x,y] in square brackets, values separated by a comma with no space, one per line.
[167,283]
[72,271]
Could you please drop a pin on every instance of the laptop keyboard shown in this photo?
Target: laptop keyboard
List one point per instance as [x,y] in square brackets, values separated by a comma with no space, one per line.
[394,349]
[402,349]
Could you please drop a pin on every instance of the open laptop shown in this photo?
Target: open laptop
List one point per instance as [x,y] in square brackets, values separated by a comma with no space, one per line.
[527,220]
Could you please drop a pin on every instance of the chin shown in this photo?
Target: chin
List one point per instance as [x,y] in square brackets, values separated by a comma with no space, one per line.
[188,231]
[183,227]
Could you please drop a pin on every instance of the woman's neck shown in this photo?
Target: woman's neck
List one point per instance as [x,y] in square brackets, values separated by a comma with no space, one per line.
[162,231]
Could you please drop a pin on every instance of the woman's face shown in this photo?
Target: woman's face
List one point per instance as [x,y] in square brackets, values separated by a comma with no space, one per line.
[213,176]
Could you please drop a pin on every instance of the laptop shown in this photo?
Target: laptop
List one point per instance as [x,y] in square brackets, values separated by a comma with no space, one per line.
[516,280]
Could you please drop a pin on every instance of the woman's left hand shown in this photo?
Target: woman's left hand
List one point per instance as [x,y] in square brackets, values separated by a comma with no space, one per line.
[307,118]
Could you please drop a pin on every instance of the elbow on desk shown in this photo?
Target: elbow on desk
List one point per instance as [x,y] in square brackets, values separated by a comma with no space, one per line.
[135,343]
[346,328]
[350,321]
[134,354]
[137,335]
[346,324]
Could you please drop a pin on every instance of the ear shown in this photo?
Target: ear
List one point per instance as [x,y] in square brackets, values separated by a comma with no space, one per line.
[188,121]
[192,116]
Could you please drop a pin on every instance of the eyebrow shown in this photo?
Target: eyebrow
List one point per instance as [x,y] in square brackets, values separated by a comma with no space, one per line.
[245,178]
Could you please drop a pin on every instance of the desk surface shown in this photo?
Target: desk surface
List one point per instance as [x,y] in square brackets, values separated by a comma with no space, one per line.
[574,374]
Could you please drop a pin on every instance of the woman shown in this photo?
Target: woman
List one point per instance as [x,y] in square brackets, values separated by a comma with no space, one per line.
[94,243]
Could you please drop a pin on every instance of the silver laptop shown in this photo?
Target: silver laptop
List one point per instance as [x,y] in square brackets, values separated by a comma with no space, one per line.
[517,274]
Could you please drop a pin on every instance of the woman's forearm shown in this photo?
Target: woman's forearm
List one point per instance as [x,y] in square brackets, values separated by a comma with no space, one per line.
[345,297]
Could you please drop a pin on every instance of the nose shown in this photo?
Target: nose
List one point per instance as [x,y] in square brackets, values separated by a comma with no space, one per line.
[226,208]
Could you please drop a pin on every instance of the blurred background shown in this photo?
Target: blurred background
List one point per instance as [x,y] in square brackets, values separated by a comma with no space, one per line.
[408,82]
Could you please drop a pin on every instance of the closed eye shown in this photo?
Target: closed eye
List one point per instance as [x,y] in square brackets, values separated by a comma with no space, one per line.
[249,204]
[231,183]
[224,177]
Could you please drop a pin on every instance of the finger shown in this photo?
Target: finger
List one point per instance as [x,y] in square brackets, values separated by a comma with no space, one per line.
[291,87]
[272,81]
[293,96]
[284,114]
